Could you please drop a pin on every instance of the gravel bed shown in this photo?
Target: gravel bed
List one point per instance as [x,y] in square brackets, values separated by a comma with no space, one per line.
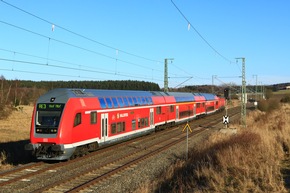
[147,171]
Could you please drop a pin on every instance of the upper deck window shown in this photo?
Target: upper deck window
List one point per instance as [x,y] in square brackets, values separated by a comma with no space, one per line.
[121,103]
[130,101]
[135,101]
[103,103]
[126,101]
[109,102]
[115,102]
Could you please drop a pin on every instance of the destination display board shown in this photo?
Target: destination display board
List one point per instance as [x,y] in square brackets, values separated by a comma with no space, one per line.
[49,106]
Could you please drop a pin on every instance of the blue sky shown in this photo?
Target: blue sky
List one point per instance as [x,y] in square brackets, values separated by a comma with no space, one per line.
[129,40]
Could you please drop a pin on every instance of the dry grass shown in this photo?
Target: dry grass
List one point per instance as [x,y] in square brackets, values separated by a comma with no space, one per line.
[17,126]
[14,131]
[249,161]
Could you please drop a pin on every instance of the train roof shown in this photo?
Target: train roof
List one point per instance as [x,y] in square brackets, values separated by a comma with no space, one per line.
[63,94]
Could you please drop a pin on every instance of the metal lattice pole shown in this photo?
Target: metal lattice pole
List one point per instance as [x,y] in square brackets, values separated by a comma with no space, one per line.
[243,95]
[166,73]
[165,76]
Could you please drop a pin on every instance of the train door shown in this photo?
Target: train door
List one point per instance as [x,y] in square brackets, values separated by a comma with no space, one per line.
[177,113]
[151,117]
[194,110]
[104,127]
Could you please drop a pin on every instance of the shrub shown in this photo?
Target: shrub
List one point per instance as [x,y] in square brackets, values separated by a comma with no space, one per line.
[285,99]
[268,105]
[4,111]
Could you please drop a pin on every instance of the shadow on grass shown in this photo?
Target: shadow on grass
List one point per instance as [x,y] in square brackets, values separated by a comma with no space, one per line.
[15,153]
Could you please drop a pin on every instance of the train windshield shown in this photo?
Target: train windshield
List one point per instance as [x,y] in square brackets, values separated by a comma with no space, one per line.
[48,115]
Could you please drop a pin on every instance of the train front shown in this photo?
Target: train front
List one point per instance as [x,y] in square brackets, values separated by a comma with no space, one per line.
[46,126]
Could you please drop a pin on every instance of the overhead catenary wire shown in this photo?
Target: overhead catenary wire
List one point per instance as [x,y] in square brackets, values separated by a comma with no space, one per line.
[60,61]
[73,68]
[77,34]
[76,46]
[55,25]
[199,34]
[89,39]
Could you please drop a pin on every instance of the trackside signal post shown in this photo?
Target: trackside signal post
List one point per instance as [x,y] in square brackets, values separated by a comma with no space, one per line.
[187,127]
[226,118]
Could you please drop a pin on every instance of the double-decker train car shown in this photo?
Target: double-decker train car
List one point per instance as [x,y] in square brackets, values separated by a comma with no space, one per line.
[70,122]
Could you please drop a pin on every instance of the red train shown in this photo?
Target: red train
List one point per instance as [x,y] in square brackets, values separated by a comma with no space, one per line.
[69,122]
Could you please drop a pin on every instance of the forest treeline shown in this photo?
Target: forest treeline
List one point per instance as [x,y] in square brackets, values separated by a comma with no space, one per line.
[22,92]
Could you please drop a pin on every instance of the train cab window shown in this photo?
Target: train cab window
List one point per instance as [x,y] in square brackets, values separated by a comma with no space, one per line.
[109,102]
[78,119]
[126,101]
[103,103]
[113,128]
[120,101]
[158,110]
[133,124]
[115,102]
[130,101]
[93,117]
[135,101]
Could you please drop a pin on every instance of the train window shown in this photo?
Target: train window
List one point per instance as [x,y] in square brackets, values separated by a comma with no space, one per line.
[109,102]
[139,101]
[78,119]
[146,121]
[143,101]
[142,122]
[158,110]
[93,117]
[133,124]
[120,127]
[216,103]
[171,108]
[126,101]
[130,101]
[135,101]
[150,100]
[113,128]
[139,125]
[115,102]
[103,103]
[147,100]
[120,100]
[197,105]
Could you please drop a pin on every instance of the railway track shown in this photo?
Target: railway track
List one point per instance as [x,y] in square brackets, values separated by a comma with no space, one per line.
[89,172]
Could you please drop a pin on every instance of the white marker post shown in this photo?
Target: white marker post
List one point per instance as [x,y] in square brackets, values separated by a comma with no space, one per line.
[187,127]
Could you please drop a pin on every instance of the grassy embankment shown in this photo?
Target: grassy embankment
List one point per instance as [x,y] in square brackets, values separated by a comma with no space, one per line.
[14,134]
[250,161]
